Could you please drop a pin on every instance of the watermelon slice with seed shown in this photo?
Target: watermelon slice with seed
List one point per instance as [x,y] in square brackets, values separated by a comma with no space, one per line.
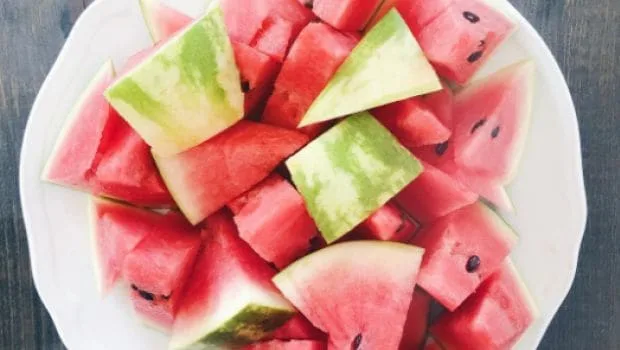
[495,317]
[273,219]
[380,283]
[288,345]
[416,325]
[462,250]
[158,268]
[207,177]
[161,20]
[229,300]
[389,223]
[346,15]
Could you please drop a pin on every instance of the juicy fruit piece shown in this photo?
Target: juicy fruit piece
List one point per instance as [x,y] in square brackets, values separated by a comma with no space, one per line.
[158,268]
[462,249]
[494,318]
[299,328]
[349,172]
[461,39]
[302,79]
[258,72]
[434,194]
[412,122]
[419,13]
[389,223]
[386,66]
[275,37]
[85,133]
[288,345]
[323,284]
[229,300]
[493,121]
[186,92]
[205,178]
[346,15]
[273,220]
[162,21]
[417,321]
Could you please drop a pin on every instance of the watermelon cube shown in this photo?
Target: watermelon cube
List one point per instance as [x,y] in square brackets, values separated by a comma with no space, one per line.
[288,345]
[186,92]
[495,317]
[272,218]
[346,15]
[258,72]
[389,223]
[463,37]
[433,195]
[298,328]
[462,250]
[229,300]
[158,267]
[349,172]
[416,325]
[301,79]
[275,37]
[207,177]
[412,122]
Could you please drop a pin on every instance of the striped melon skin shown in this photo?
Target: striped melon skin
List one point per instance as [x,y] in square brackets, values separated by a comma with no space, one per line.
[349,172]
[184,93]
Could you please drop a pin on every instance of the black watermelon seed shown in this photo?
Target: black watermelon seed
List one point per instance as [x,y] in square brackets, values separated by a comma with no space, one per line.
[482,43]
[441,148]
[315,244]
[472,263]
[475,56]
[245,86]
[273,266]
[472,17]
[495,132]
[146,295]
[309,4]
[478,125]
[134,287]
[357,342]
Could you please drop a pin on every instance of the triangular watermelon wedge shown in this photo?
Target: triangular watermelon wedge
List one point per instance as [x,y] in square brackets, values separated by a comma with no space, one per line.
[162,21]
[362,303]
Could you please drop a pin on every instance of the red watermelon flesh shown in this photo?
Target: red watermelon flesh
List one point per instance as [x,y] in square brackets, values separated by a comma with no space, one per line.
[389,223]
[488,188]
[493,121]
[162,21]
[301,79]
[272,218]
[360,302]
[412,122]
[463,37]
[299,328]
[495,317]
[419,13]
[346,15]
[158,268]
[258,72]
[462,249]
[85,133]
[275,37]
[212,174]
[288,345]
[441,104]
[416,325]
[433,195]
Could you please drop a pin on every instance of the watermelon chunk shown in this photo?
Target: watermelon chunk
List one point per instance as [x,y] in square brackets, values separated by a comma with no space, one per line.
[412,122]
[416,325]
[493,121]
[386,66]
[186,92]
[273,219]
[494,318]
[302,79]
[161,20]
[324,284]
[288,345]
[207,177]
[346,15]
[461,39]
[462,249]
[299,328]
[158,268]
[349,172]
[258,72]
[229,300]
[389,223]
[275,37]
[434,194]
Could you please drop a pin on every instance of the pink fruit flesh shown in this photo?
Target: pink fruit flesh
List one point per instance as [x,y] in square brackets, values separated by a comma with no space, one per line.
[417,321]
[389,223]
[299,328]
[258,72]
[346,15]
[275,37]
[288,345]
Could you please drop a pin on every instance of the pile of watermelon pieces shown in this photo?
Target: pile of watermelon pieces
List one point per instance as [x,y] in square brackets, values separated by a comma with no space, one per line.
[299,174]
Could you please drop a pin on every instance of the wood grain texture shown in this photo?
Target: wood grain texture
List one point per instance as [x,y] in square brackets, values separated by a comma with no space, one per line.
[584,36]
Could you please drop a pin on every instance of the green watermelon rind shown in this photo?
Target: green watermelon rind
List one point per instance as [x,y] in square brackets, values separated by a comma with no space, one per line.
[147,7]
[92,230]
[387,65]
[349,172]
[202,96]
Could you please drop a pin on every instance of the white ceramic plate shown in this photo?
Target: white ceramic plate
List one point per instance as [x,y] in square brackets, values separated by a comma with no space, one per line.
[548,194]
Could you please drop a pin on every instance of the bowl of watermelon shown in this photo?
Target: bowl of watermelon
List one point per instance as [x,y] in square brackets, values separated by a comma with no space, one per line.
[298,174]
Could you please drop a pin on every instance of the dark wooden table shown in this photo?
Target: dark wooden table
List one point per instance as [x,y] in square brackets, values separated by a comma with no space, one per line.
[584,36]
